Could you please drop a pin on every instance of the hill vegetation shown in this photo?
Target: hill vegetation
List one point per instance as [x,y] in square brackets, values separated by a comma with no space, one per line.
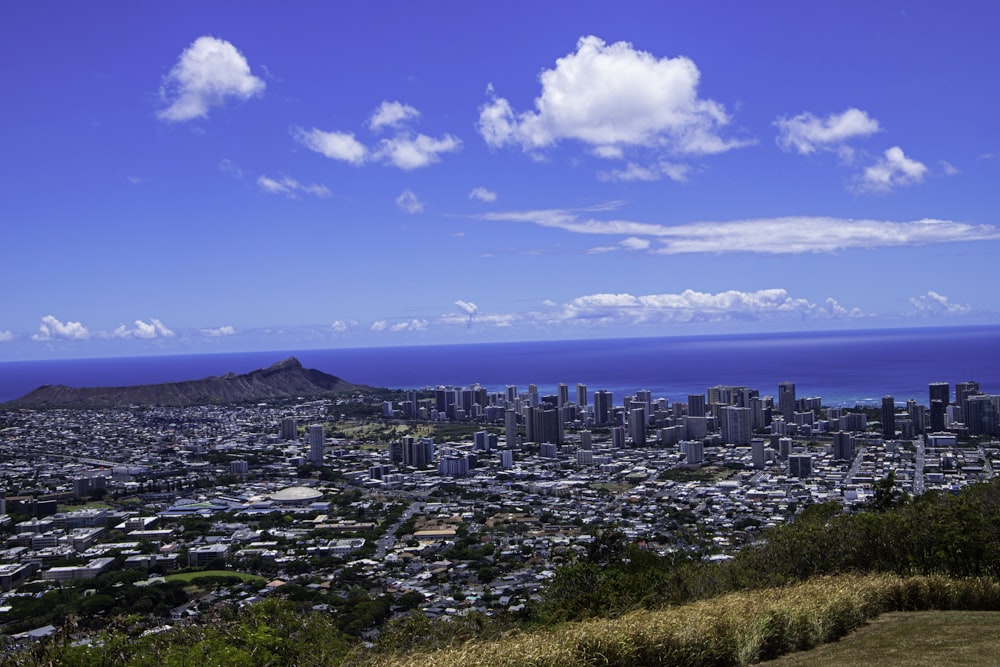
[811,581]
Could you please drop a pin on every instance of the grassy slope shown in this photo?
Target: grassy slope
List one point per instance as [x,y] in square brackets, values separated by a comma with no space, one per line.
[911,639]
[734,629]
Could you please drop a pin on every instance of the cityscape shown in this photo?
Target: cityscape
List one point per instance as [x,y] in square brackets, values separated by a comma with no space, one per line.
[454,499]
[531,240]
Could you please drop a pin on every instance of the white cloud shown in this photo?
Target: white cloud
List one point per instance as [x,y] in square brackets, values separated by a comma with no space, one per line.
[948,168]
[636,172]
[290,187]
[207,73]
[378,325]
[392,114]
[227,166]
[334,145]
[413,152]
[411,325]
[468,307]
[405,149]
[340,326]
[793,234]
[51,329]
[691,305]
[610,96]
[219,331]
[630,243]
[807,133]
[894,169]
[933,303]
[7,336]
[483,194]
[153,329]
[409,202]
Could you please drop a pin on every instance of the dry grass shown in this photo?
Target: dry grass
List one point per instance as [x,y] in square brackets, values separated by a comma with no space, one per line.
[735,629]
[912,639]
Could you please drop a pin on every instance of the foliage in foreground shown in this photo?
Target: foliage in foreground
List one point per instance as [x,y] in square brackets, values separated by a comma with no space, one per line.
[270,633]
[938,533]
[735,629]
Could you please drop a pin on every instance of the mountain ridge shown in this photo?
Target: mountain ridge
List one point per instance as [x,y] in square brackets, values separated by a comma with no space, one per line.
[284,379]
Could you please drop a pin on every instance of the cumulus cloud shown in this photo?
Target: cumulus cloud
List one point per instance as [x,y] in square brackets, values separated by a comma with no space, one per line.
[334,145]
[378,325]
[483,194]
[409,202]
[806,133]
[7,336]
[411,325]
[611,96]
[392,114]
[470,309]
[219,331]
[208,72]
[153,329]
[691,305]
[340,326]
[636,172]
[405,149]
[792,234]
[624,309]
[290,188]
[414,151]
[894,169]
[933,303]
[51,329]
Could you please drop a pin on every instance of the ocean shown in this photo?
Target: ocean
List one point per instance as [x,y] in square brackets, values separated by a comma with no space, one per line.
[842,367]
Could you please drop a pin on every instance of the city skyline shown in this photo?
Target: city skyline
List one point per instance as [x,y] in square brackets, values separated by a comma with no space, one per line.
[243,177]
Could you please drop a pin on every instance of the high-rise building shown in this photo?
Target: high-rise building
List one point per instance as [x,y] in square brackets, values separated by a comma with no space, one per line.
[529,423]
[316,442]
[510,427]
[602,407]
[637,426]
[800,465]
[735,424]
[981,414]
[581,394]
[696,405]
[548,450]
[694,452]
[618,437]
[964,390]
[757,453]
[940,391]
[506,459]
[937,415]
[786,401]
[888,417]
[562,395]
[289,429]
[843,446]
[586,440]
[550,428]
[917,415]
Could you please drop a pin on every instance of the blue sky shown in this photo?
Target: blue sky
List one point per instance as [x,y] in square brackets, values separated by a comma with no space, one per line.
[197,177]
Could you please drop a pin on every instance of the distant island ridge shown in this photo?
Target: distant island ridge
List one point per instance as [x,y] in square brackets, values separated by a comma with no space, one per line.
[285,379]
